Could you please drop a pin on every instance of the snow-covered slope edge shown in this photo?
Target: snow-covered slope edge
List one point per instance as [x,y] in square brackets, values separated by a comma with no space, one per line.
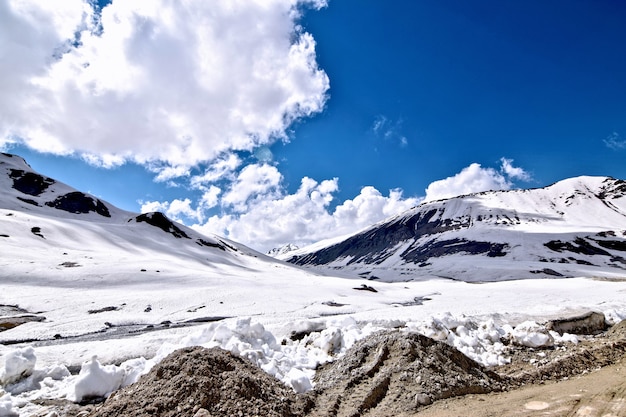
[576,227]
[49,215]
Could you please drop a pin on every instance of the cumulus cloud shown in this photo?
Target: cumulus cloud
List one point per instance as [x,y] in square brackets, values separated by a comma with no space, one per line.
[253,182]
[476,178]
[257,210]
[167,81]
[615,142]
[175,209]
[305,216]
[515,173]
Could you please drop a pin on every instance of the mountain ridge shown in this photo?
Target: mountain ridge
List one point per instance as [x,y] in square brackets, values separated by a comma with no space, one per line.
[59,218]
[496,228]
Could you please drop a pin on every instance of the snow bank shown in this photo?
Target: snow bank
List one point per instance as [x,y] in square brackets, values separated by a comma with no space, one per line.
[480,341]
[6,406]
[291,361]
[20,375]
[18,364]
[614,316]
[96,381]
[531,334]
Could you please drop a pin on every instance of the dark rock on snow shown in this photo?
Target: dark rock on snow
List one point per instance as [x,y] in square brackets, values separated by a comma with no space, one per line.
[159,220]
[77,202]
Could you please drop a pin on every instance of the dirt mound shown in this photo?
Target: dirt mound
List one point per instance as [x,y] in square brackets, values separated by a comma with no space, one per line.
[203,382]
[554,363]
[397,372]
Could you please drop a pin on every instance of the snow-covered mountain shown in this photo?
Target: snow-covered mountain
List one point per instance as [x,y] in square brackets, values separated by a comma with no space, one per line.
[66,228]
[576,227]
[281,251]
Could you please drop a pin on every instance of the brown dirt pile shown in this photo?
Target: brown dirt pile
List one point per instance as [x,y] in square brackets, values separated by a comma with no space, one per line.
[203,382]
[394,372]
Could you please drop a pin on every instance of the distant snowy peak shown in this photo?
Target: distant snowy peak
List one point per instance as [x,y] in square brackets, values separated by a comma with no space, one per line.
[282,250]
[492,235]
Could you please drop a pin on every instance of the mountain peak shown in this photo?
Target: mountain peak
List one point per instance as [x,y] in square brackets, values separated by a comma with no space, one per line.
[492,235]
[282,250]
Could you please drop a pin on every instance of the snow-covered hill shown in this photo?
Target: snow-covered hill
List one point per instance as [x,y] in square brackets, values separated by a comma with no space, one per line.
[65,227]
[89,265]
[576,227]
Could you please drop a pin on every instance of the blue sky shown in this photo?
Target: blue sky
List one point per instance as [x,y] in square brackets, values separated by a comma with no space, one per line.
[289,121]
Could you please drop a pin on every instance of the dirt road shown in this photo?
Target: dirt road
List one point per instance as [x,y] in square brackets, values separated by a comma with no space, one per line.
[601,393]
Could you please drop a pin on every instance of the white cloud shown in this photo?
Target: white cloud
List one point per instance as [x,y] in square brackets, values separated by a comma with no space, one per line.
[175,209]
[475,178]
[168,172]
[159,80]
[261,214]
[210,198]
[253,182]
[152,206]
[389,130]
[304,217]
[615,142]
[512,172]
[221,168]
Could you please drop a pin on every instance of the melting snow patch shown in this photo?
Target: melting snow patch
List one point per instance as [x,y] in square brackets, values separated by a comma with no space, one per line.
[18,364]
[96,381]
[6,406]
[531,334]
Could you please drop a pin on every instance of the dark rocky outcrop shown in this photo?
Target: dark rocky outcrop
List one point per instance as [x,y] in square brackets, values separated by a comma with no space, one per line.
[449,247]
[79,203]
[29,182]
[579,245]
[375,245]
[589,323]
[160,220]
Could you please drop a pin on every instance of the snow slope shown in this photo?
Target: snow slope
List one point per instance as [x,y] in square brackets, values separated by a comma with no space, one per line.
[109,293]
[103,263]
[576,227]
